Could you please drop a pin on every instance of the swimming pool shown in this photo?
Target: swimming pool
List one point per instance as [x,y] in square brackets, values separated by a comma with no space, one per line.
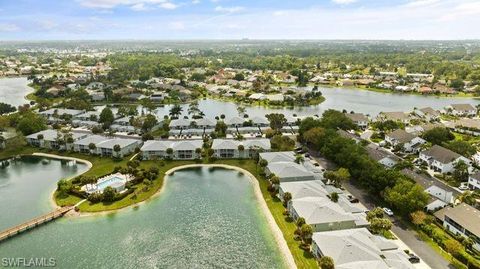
[113,181]
[116,181]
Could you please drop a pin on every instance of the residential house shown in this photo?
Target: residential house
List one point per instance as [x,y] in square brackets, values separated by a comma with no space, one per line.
[467,126]
[279,156]
[359,249]
[382,156]
[440,159]
[300,189]
[464,110]
[127,146]
[461,220]
[228,148]
[440,193]
[474,181]
[53,139]
[83,145]
[359,119]
[394,116]
[181,150]
[289,171]
[427,113]
[407,141]
[324,215]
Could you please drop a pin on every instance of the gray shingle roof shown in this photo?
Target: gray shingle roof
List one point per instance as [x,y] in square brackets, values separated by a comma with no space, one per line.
[441,154]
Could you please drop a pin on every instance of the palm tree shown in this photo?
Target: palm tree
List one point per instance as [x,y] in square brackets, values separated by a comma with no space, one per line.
[263,163]
[326,263]
[286,198]
[334,197]
[299,159]
[92,147]
[175,111]
[117,149]
[198,151]
[307,232]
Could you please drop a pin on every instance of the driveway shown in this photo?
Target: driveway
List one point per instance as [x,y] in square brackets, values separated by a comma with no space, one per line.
[408,236]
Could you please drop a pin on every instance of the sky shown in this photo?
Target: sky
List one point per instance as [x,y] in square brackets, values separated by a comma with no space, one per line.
[234,19]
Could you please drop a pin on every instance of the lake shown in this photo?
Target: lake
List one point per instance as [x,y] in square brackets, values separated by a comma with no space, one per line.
[14,90]
[361,101]
[204,218]
[26,185]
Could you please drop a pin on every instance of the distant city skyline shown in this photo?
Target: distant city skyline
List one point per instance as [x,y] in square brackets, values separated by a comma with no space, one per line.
[233,19]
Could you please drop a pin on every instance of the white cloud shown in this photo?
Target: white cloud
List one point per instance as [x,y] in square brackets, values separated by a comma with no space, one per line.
[344,2]
[134,4]
[139,7]
[235,9]
[195,2]
[421,3]
[168,5]
[9,27]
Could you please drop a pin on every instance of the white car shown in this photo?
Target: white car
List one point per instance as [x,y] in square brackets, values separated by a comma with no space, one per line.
[464,186]
[388,211]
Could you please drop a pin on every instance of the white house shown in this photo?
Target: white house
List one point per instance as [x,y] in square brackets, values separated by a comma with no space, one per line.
[279,156]
[83,145]
[407,141]
[324,215]
[474,181]
[181,150]
[228,148]
[441,160]
[462,110]
[289,171]
[427,113]
[53,139]
[461,220]
[359,249]
[127,146]
[382,156]
[359,119]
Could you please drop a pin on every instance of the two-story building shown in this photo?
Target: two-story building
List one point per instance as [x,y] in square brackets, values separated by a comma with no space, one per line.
[407,141]
[462,220]
[441,160]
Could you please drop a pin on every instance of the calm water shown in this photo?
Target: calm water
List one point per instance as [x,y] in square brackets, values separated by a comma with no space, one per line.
[14,90]
[203,219]
[336,98]
[26,186]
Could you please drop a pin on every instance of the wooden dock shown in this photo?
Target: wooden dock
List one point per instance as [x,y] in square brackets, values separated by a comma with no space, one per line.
[34,223]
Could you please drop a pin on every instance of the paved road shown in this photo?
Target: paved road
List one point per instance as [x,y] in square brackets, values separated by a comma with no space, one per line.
[408,236]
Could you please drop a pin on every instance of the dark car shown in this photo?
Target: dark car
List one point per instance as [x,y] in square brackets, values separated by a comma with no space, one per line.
[413,258]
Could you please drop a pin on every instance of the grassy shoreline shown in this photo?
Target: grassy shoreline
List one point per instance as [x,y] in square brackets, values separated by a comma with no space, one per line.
[102,166]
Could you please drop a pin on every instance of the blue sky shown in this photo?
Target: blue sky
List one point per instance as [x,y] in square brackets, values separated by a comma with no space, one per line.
[233,19]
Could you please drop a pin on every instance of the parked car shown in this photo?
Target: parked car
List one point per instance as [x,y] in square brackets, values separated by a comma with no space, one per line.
[352,199]
[388,211]
[464,186]
[413,258]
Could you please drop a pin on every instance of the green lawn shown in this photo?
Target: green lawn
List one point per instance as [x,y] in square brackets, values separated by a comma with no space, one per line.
[102,166]
[141,194]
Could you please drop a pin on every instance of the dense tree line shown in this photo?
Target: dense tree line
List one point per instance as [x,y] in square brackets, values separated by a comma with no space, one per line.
[389,184]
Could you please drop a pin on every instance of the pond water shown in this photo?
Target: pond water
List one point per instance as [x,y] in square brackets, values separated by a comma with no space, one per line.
[203,219]
[14,90]
[26,185]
